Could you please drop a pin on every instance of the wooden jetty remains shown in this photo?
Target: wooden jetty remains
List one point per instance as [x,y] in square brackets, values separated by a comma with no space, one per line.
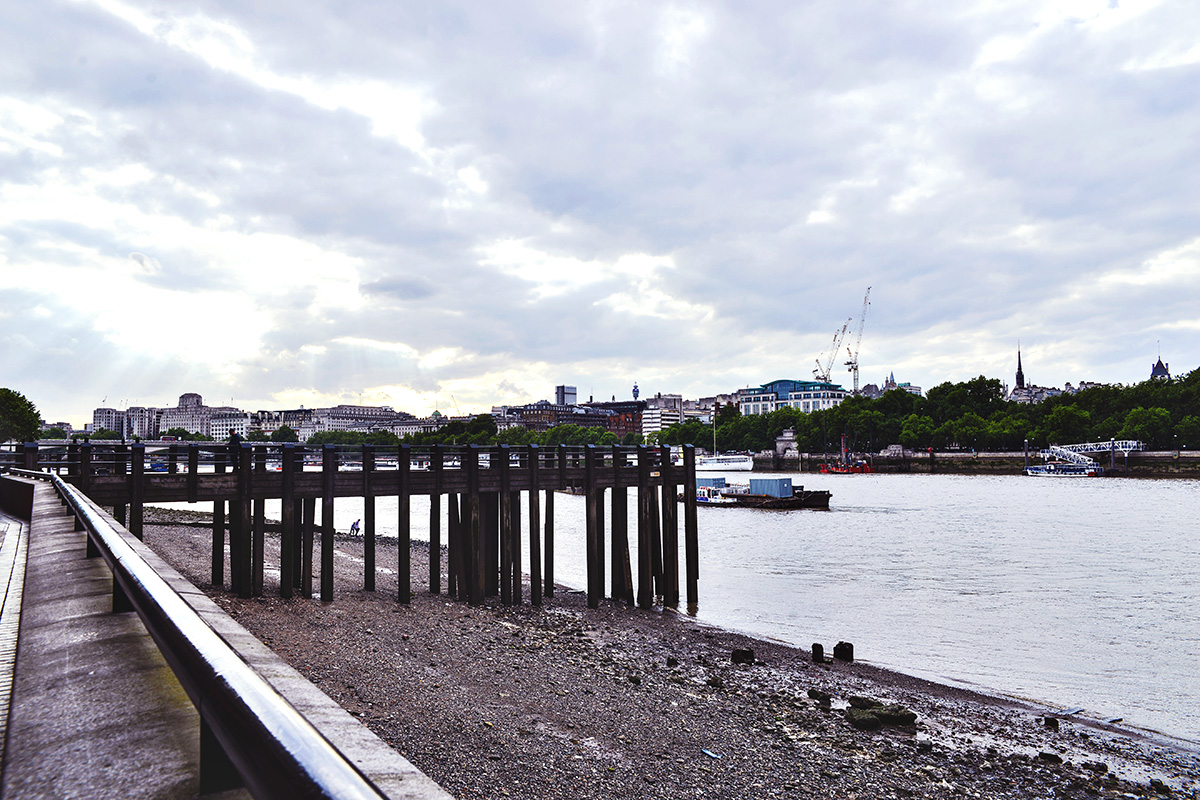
[481,487]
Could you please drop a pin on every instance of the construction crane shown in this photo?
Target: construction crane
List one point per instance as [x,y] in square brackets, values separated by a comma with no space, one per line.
[824,370]
[852,364]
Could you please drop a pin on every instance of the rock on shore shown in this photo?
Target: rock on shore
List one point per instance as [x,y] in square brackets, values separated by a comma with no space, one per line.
[567,702]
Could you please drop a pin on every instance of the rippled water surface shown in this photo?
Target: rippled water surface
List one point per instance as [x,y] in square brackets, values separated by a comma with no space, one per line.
[1070,592]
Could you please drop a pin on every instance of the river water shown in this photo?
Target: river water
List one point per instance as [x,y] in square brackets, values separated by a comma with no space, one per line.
[1067,592]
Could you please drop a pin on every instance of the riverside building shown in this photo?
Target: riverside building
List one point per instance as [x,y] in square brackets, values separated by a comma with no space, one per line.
[807,396]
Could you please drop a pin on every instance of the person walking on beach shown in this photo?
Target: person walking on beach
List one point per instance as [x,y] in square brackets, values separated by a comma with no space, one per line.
[354,528]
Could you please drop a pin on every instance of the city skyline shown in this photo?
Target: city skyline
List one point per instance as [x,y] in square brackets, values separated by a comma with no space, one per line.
[455,207]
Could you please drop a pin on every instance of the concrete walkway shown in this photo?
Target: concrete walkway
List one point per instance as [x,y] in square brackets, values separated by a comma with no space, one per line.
[95,710]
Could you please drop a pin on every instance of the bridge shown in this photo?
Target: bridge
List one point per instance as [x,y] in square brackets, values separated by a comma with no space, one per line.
[1074,453]
[122,679]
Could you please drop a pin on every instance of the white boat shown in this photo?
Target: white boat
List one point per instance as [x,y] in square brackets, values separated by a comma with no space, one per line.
[1062,471]
[724,463]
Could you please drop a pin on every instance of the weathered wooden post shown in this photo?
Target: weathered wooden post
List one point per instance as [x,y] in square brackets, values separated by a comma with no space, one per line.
[506,527]
[218,525]
[368,531]
[306,554]
[670,531]
[453,545]
[595,572]
[535,523]
[240,552]
[193,467]
[489,522]
[329,470]
[257,555]
[287,520]
[403,531]
[622,572]
[645,593]
[690,530]
[85,467]
[173,459]
[436,464]
[514,525]
[121,466]
[137,488]
[474,534]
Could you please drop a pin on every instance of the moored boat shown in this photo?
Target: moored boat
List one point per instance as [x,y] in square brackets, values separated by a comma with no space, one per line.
[1055,470]
[724,463]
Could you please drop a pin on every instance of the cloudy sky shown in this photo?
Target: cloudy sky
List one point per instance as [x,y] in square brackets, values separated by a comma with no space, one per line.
[439,204]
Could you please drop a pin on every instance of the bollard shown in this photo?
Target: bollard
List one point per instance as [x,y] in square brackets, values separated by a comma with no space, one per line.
[818,653]
[843,651]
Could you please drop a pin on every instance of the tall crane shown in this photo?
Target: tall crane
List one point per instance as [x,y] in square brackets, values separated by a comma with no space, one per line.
[824,370]
[852,364]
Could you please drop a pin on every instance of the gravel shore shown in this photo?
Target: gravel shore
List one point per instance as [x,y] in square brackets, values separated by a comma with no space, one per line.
[568,702]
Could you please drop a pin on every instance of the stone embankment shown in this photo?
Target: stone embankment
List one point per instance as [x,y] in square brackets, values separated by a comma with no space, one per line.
[567,702]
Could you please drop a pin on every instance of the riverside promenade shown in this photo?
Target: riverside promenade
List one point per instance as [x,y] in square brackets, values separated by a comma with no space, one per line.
[90,705]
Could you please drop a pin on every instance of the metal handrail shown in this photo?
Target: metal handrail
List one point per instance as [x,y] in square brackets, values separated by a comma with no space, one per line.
[276,750]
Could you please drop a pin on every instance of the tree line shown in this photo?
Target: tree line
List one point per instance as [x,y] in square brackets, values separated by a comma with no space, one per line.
[972,415]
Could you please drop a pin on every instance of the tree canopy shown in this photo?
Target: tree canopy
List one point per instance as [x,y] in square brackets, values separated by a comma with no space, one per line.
[971,415]
[19,418]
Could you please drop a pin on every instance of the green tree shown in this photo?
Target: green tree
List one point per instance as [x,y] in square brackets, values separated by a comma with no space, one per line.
[1187,432]
[1067,424]
[52,433]
[1151,426]
[257,435]
[19,418]
[916,432]
[104,433]
[284,433]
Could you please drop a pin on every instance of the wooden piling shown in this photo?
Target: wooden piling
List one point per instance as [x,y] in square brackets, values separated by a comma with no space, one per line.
[241,549]
[535,522]
[436,464]
[306,553]
[548,546]
[453,545]
[257,555]
[506,527]
[622,573]
[218,529]
[474,534]
[329,468]
[670,532]
[193,467]
[368,529]
[595,574]
[403,531]
[137,488]
[691,533]
[645,593]
[122,468]
[287,519]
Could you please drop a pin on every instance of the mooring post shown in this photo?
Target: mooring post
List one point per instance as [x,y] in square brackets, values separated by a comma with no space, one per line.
[690,529]
[474,534]
[535,523]
[218,526]
[258,554]
[645,593]
[506,527]
[403,530]
[329,469]
[193,466]
[595,574]
[242,555]
[85,467]
[453,544]
[515,538]
[466,563]
[172,459]
[122,469]
[306,554]
[287,520]
[670,531]
[436,459]
[137,488]
[599,504]
[622,572]
[368,529]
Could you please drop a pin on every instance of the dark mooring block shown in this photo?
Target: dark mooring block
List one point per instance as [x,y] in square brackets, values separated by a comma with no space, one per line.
[843,651]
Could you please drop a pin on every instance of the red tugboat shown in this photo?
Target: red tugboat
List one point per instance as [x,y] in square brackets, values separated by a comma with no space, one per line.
[846,465]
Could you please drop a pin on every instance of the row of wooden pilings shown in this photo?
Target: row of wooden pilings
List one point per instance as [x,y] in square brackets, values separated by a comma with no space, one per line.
[481,486]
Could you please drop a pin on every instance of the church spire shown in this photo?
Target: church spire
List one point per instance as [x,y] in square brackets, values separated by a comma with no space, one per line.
[1020,372]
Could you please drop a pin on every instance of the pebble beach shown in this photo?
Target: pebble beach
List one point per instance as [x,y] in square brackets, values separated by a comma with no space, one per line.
[567,702]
